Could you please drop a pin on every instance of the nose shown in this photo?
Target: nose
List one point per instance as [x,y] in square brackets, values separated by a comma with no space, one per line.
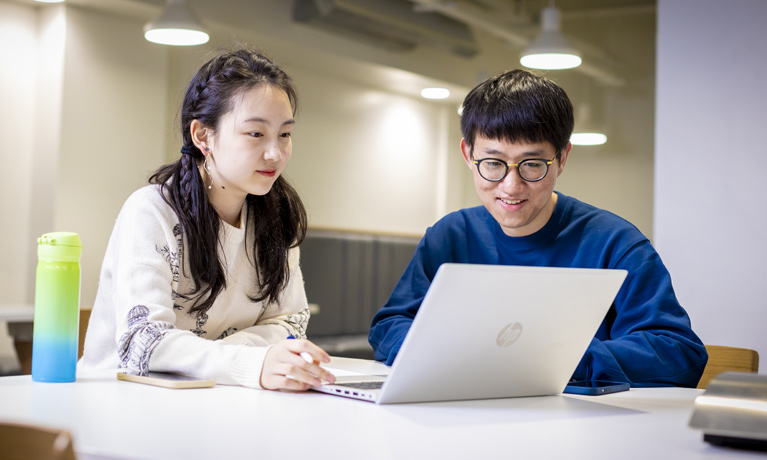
[273,152]
[511,181]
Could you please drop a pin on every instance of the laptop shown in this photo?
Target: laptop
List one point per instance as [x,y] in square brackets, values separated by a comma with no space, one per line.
[493,331]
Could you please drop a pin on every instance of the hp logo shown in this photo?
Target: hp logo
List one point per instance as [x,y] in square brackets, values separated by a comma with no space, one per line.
[509,334]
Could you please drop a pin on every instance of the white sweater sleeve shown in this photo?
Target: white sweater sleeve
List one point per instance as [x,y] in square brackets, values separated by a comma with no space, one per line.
[140,274]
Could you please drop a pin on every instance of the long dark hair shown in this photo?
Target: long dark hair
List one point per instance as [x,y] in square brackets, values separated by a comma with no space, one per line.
[277,219]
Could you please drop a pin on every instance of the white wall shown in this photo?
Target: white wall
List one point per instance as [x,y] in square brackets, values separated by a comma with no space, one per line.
[19,52]
[86,104]
[618,176]
[113,129]
[385,149]
[710,119]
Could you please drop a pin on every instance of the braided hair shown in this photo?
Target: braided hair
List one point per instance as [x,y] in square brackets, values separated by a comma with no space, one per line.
[277,220]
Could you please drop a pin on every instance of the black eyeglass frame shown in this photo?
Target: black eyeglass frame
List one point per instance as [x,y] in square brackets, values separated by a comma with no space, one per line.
[516,165]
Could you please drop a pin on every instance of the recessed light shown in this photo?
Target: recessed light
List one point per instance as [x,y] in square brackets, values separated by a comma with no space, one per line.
[588,139]
[435,93]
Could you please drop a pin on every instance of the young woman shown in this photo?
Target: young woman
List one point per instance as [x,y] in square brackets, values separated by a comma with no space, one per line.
[201,275]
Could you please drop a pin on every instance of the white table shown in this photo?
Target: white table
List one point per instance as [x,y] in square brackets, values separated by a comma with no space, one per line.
[110,419]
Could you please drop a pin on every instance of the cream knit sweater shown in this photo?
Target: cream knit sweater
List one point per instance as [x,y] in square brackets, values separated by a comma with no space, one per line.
[140,319]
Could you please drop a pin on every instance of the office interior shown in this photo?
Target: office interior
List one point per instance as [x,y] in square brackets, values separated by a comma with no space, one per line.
[91,109]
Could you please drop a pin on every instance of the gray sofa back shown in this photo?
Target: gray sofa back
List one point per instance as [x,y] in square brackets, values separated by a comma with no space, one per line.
[349,276]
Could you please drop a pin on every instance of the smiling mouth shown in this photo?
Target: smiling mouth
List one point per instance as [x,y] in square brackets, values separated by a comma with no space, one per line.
[512,202]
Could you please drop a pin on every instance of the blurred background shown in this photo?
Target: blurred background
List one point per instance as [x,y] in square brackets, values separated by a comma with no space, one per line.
[90,109]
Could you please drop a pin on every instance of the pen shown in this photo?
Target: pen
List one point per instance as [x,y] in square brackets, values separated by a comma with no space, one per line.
[307,357]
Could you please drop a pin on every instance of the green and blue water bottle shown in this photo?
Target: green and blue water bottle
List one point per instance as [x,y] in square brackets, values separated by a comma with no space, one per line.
[57,307]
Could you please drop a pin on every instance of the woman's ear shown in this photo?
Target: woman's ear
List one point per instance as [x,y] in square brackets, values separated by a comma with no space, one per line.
[200,136]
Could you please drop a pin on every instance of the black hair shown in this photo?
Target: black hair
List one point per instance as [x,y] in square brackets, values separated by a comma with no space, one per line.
[278,219]
[518,106]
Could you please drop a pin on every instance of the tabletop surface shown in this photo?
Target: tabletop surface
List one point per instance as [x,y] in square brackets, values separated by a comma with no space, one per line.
[111,419]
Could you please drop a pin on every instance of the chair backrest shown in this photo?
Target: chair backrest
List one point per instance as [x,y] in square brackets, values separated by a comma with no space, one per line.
[724,359]
[85,317]
[23,442]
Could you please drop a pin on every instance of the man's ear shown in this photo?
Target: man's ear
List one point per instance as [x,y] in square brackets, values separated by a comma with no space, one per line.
[200,136]
[466,150]
[563,158]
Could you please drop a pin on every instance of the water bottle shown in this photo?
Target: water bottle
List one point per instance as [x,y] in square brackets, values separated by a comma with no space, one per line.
[57,307]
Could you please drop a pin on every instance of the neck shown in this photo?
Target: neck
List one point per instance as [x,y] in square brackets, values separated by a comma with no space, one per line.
[227,206]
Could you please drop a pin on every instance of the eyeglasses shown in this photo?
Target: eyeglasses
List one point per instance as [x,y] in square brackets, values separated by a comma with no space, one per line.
[495,170]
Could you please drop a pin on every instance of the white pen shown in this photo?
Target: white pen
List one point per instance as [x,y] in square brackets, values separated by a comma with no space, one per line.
[307,357]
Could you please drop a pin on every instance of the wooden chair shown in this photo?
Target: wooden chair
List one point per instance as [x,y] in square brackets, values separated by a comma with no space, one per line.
[23,442]
[24,347]
[723,359]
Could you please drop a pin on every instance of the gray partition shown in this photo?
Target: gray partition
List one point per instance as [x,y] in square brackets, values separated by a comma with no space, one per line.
[349,276]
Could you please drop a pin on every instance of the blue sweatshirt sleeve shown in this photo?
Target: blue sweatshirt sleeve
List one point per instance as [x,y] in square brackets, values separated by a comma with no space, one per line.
[646,338]
[392,322]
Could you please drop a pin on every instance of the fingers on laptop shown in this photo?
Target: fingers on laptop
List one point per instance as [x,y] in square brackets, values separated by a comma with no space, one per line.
[294,365]
[307,357]
[305,346]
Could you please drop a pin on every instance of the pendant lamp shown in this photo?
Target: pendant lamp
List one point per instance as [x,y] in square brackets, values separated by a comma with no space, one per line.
[550,49]
[177,25]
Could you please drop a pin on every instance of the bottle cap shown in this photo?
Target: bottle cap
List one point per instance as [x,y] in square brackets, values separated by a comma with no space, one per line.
[61,246]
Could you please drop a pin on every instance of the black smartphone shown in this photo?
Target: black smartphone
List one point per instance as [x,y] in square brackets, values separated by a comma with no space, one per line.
[595,387]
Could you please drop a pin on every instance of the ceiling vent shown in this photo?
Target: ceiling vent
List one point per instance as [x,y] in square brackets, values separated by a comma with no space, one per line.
[392,25]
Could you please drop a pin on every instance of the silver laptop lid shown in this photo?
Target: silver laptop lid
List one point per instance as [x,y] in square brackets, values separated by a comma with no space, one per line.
[495,331]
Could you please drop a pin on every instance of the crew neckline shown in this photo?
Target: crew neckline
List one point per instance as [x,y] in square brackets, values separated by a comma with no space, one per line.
[542,236]
[234,234]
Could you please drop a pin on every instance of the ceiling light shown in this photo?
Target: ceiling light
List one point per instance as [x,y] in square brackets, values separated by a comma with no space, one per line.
[176,25]
[588,130]
[550,50]
[50,1]
[435,93]
[588,139]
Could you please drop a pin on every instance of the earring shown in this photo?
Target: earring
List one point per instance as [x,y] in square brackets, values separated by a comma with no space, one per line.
[206,167]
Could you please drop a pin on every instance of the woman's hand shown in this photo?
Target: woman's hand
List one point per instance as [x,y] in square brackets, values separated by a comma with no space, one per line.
[286,368]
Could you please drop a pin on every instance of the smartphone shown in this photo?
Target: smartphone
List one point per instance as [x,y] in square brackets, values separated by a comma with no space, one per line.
[166,380]
[595,387]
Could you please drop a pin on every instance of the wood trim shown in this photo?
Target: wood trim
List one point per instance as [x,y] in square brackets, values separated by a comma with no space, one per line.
[723,359]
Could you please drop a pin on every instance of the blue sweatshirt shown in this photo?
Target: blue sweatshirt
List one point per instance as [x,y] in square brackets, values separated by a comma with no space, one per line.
[645,339]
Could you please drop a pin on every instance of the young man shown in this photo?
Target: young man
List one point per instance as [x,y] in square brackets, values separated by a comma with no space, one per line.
[516,130]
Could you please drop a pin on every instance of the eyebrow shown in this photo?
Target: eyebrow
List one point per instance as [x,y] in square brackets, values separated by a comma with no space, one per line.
[529,153]
[265,121]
